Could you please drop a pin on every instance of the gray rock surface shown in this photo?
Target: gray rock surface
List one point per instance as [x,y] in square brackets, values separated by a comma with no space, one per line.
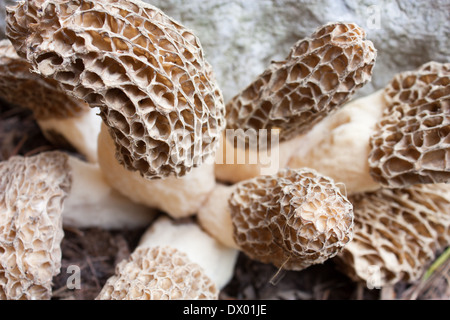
[241,37]
[3,4]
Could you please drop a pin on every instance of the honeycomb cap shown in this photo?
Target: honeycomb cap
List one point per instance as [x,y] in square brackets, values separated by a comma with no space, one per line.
[293,219]
[319,75]
[397,233]
[44,97]
[158,273]
[32,192]
[146,73]
[426,84]
[411,142]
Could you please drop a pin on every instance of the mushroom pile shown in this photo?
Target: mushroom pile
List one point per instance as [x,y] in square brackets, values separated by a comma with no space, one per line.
[363,182]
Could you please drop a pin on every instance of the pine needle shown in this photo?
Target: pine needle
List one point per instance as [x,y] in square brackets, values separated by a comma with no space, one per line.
[437,263]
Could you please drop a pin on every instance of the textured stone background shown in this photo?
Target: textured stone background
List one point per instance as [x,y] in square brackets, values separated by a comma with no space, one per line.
[241,37]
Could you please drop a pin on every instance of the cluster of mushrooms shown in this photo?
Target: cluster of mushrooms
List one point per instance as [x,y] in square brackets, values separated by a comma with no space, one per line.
[363,181]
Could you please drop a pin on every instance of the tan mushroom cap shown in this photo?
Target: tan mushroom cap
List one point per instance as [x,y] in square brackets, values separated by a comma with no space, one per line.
[319,75]
[145,72]
[397,233]
[19,86]
[32,192]
[158,273]
[186,235]
[293,219]
[411,142]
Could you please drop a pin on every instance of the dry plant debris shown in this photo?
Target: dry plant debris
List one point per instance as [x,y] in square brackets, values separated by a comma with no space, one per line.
[20,134]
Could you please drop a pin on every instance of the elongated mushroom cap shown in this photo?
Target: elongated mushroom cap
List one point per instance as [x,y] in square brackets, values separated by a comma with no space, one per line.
[146,73]
[217,261]
[32,192]
[397,233]
[293,219]
[318,76]
[158,273]
[411,143]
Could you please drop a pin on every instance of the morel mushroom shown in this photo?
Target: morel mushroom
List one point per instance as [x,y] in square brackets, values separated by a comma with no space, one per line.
[172,261]
[411,144]
[319,75]
[63,119]
[396,137]
[397,233]
[293,219]
[145,72]
[32,194]
[217,260]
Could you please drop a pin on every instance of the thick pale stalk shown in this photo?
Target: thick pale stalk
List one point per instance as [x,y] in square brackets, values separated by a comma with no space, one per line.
[92,202]
[179,197]
[80,132]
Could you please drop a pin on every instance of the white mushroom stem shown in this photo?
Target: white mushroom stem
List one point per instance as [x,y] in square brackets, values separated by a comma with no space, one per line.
[80,132]
[217,260]
[215,217]
[92,202]
[339,146]
[178,197]
[234,164]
